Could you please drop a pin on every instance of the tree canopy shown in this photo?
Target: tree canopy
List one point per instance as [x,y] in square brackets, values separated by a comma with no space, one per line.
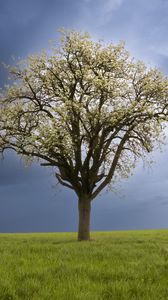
[88,110]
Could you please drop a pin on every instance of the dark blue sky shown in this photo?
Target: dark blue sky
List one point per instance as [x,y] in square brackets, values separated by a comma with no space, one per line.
[30,199]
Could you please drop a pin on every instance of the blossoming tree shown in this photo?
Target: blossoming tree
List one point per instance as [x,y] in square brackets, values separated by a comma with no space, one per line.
[87,110]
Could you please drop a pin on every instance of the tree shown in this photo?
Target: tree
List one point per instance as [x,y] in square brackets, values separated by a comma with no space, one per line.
[87,110]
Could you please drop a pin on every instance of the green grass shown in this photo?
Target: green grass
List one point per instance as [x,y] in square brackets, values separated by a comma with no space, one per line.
[116,265]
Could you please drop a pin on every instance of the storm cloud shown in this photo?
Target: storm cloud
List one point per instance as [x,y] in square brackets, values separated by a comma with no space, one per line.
[30,199]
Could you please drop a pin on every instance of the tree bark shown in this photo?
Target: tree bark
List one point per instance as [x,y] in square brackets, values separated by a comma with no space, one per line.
[84,207]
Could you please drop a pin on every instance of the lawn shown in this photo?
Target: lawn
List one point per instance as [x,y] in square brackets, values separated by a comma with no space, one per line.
[115,265]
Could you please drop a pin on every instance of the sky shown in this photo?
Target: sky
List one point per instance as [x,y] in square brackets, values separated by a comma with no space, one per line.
[30,198]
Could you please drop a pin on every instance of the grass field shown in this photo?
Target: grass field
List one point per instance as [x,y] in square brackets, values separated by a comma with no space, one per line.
[115,265]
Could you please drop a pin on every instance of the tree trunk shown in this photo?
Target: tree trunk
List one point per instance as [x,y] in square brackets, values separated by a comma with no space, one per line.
[84,207]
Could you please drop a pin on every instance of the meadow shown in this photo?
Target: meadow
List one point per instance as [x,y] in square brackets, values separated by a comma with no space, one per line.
[114,265]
